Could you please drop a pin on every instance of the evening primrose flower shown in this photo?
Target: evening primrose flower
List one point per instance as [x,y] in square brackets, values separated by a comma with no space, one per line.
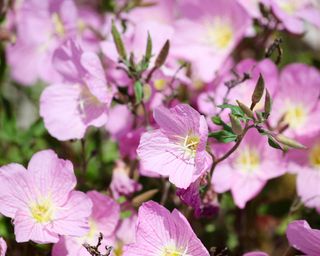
[297,100]
[82,100]
[247,171]
[103,219]
[207,33]
[3,247]
[163,233]
[41,200]
[302,237]
[178,148]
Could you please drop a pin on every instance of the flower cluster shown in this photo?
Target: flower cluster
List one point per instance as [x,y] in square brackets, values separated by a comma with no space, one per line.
[208,108]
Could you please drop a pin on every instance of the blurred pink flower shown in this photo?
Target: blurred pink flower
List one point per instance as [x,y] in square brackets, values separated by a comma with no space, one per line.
[82,100]
[178,148]
[42,200]
[3,247]
[255,254]
[208,100]
[121,183]
[203,207]
[40,32]
[293,14]
[302,237]
[247,171]
[103,219]
[306,164]
[297,100]
[160,232]
[207,33]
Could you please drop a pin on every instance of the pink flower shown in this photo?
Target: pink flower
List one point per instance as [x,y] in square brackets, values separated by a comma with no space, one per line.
[247,171]
[306,164]
[241,92]
[207,38]
[103,219]
[297,100]
[255,254]
[203,207]
[82,100]
[178,148]
[293,13]
[302,237]
[160,232]
[41,27]
[42,200]
[3,247]
[121,183]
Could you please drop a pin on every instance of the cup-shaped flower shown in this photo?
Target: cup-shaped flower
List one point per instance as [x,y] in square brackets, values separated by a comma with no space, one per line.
[160,232]
[82,100]
[3,247]
[178,148]
[297,100]
[42,201]
[247,171]
[103,219]
[302,237]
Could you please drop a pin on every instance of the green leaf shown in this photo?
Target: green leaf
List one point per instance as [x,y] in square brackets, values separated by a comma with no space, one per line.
[223,136]
[138,91]
[125,214]
[235,110]
[218,121]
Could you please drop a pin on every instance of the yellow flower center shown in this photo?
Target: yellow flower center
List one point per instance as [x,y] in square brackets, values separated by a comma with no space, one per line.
[290,6]
[295,116]
[219,33]
[58,24]
[42,210]
[248,160]
[314,156]
[172,251]
[160,84]
[191,143]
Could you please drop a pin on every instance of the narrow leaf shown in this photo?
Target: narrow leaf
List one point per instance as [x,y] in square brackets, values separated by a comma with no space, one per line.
[138,200]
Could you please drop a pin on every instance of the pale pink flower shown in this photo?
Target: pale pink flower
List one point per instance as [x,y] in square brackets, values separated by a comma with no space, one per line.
[293,13]
[121,183]
[255,254]
[178,148]
[297,100]
[207,33]
[160,232]
[82,100]
[3,247]
[41,200]
[208,100]
[41,26]
[247,171]
[302,237]
[103,219]
[306,164]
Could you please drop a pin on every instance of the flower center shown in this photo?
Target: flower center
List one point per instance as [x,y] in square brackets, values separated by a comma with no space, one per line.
[219,33]
[173,251]
[291,6]
[248,160]
[191,143]
[295,116]
[42,210]
[58,25]
[314,156]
